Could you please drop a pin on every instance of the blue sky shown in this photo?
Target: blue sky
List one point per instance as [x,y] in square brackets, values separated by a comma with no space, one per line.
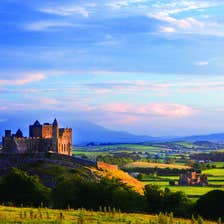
[143,66]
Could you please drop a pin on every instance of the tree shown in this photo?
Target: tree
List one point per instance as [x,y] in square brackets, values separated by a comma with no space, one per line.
[210,205]
[167,201]
[172,182]
[66,192]
[19,188]
[154,198]
[79,193]
[177,203]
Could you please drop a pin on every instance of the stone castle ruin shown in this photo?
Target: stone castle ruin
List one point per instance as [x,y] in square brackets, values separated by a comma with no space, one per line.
[193,179]
[42,138]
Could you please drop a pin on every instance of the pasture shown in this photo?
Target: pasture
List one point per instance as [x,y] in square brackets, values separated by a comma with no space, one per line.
[155,165]
[191,191]
[106,216]
[217,164]
[214,172]
[129,148]
[215,182]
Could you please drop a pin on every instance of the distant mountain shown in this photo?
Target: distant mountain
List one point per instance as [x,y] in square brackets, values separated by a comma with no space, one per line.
[218,137]
[85,132]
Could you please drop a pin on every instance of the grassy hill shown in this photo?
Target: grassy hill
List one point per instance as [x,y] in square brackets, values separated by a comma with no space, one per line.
[51,170]
[154,165]
[111,171]
[45,215]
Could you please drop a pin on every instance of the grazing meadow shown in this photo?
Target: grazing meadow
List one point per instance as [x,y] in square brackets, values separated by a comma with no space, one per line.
[105,216]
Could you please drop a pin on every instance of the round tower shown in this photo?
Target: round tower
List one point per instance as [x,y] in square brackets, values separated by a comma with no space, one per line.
[55,131]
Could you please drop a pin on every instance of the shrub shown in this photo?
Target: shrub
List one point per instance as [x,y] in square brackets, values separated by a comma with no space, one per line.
[79,193]
[210,205]
[167,201]
[19,188]
[172,183]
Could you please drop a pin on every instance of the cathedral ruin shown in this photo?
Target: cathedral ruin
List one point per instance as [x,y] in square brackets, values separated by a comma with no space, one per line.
[42,138]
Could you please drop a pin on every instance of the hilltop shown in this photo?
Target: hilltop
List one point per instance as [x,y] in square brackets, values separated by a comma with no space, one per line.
[51,167]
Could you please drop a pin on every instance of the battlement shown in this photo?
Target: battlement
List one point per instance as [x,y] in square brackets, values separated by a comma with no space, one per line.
[42,138]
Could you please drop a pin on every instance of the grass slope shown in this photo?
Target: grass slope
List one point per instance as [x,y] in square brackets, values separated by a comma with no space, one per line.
[153,165]
[49,173]
[44,215]
[120,175]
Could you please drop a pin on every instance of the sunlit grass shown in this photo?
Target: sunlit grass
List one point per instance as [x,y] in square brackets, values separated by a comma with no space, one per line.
[214,172]
[44,215]
[124,177]
[154,165]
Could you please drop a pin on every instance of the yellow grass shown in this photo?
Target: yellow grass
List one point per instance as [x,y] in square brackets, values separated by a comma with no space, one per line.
[154,165]
[45,215]
[120,175]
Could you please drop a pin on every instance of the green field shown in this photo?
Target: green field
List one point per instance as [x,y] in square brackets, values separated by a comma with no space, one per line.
[214,172]
[92,152]
[133,147]
[217,182]
[43,215]
[189,190]
[187,144]
[192,190]
[217,164]
[120,148]
[176,178]
[90,155]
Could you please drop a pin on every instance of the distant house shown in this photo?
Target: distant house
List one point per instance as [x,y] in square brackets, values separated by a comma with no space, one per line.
[134,174]
[193,179]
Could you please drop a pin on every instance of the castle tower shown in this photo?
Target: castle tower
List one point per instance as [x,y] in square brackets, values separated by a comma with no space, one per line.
[8,133]
[55,130]
[35,130]
[55,135]
[19,134]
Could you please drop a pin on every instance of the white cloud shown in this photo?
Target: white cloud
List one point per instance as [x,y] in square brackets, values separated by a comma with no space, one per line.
[109,40]
[171,13]
[186,23]
[167,29]
[202,63]
[23,80]
[124,3]
[48,101]
[150,109]
[47,25]
[67,10]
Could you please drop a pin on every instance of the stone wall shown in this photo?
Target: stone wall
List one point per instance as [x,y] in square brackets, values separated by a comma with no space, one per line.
[14,160]
[65,141]
[101,165]
[47,131]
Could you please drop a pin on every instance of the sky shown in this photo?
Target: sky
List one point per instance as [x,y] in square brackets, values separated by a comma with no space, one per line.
[153,67]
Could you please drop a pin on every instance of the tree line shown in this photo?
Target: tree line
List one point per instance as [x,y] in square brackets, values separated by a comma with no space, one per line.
[212,156]
[18,188]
